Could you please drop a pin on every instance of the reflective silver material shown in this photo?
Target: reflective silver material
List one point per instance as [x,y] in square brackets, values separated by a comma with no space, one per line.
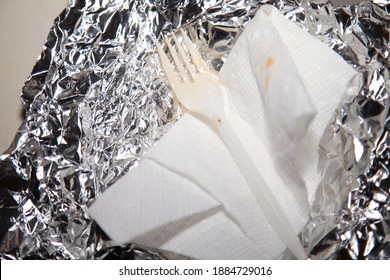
[350,218]
[97,100]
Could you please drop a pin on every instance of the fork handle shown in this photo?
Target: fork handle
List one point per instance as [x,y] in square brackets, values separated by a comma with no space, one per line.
[265,198]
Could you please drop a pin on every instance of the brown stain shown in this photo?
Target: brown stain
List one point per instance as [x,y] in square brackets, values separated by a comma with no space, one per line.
[217,121]
[269,62]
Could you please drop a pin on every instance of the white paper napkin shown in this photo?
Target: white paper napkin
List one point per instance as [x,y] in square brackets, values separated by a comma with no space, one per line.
[188,196]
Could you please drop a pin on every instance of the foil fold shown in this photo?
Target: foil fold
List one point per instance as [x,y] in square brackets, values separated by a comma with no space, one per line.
[96,100]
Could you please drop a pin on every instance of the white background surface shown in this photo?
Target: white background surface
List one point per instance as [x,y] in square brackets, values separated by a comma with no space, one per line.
[24,26]
[110,269]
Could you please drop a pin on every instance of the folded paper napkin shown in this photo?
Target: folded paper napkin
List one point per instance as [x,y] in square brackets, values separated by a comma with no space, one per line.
[281,86]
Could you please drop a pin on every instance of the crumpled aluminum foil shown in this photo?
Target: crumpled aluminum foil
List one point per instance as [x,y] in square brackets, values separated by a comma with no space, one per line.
[350,218]
[97,100]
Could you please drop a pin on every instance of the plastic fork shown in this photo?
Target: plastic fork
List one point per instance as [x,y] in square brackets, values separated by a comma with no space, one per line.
[198,90]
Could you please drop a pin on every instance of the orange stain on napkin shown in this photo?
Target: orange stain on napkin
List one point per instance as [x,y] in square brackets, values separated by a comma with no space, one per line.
[268,64]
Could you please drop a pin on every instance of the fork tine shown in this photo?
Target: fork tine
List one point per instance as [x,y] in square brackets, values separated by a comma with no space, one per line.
[176,59]
[184,56]
[168,69]
[196,57]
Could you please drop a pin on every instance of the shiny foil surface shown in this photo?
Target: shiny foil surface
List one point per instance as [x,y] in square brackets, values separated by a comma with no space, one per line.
[97,99]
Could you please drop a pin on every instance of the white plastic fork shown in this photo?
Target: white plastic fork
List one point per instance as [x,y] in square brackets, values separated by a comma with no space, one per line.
[199,91]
